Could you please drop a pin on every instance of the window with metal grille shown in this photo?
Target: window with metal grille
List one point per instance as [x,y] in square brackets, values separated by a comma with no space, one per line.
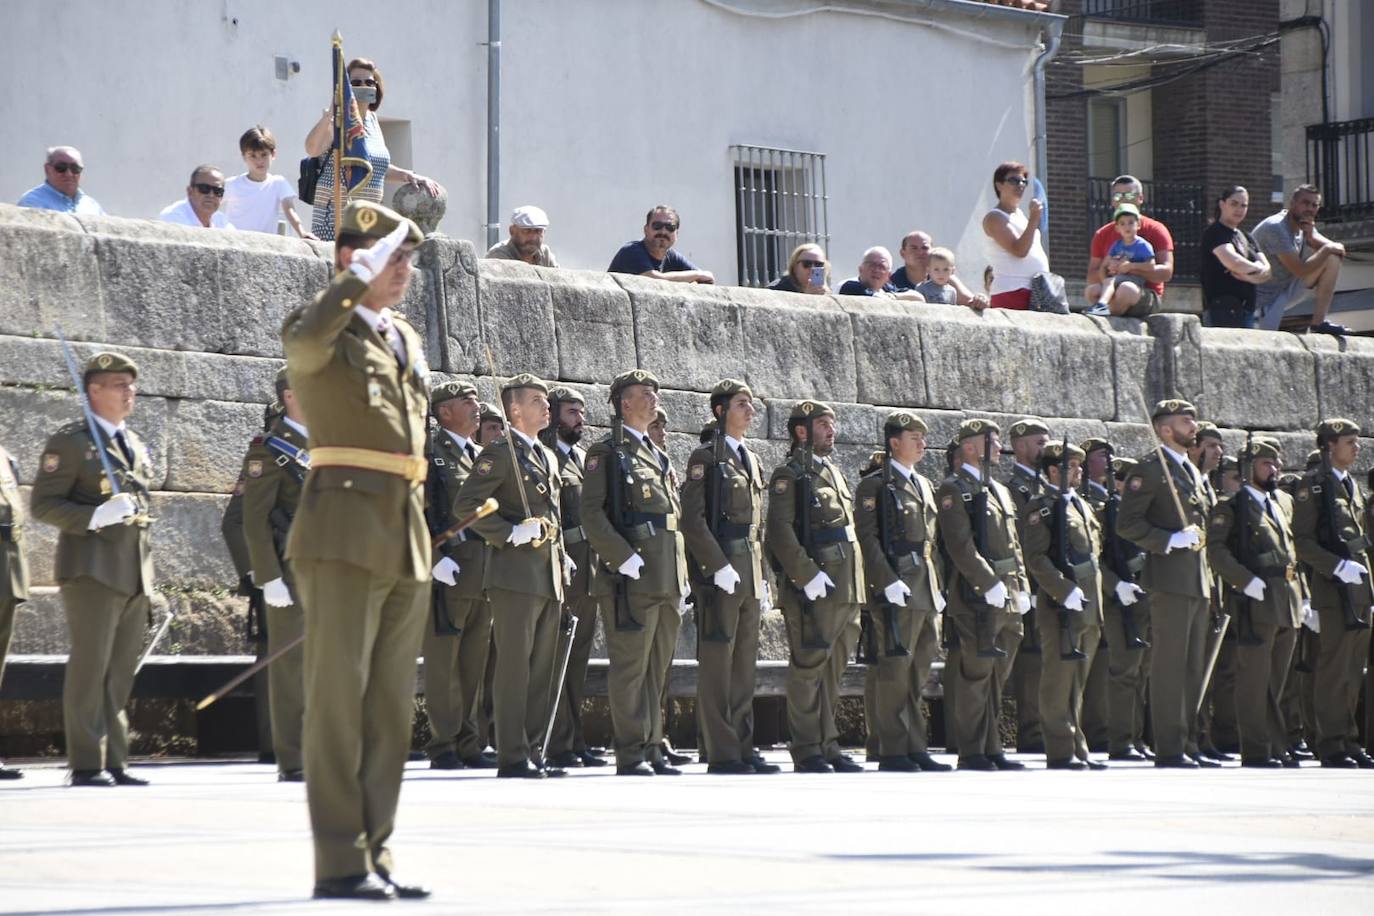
[780,202]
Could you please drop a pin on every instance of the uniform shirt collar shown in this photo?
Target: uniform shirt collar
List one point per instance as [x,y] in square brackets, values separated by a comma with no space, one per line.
[898,466]
[463,441]
[1098,486]
[977,474]
[373,319]
[640,436]
[1181,457]
[563,447]
[305,433]
[1260,496]
[528,441]
[1340,475]
[109,428]
[1029,472]
[735,444]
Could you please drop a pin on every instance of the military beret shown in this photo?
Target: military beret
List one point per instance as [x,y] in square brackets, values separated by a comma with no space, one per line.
[489,411]
[526,380]
[566,395]
[1208,430]
[1122,466]
[809,410]
[450,390]
[1335,428]
[906,421]
[1093,444]
[729,387]
[1229,463]
[1263,448]
[975,427]
[632,377]
[1314,458]
[1028,426]
[282,383]
[109,361]
[1173,407]
[365,218]
[660,416]
[1054,453]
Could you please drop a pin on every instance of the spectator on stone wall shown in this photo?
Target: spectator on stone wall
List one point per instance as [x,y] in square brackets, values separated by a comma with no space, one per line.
[200,206]
[875,274]
[654,255]
[939,286]
[1232,264]
[915,251]
[1129,250]
[1013,238]
[256,200]
[1135,299]
[808,271]
[526,239]
[1304,264]
[61,187]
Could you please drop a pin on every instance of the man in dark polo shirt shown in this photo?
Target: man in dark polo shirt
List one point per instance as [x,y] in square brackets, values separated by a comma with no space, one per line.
[654,255]
[1128,298]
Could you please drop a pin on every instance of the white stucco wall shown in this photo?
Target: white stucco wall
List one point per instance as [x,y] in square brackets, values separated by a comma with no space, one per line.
[608,107]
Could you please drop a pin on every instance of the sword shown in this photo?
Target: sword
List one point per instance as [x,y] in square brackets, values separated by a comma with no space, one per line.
[558,689]
[1212,656]
[157,637]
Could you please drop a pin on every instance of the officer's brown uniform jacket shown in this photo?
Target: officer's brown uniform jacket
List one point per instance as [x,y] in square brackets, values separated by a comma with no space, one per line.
[1038,522]
[956,533]
[571,472]
[14,568]
[1272,554]
[832,512]
[354,393]
[449,467]
[271,490]
[70,485]
[1148,517]
[742,514]
[1313,541]
[912,517]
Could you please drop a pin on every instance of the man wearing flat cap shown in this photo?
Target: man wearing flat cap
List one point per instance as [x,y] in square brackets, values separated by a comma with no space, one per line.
[1164,510]
[526,240]
[1022,672]
[1259,565]
[525,572]
[722,523]
[359,547]
[632,516]
[1329,527]
[988,591]
[896,524]
[104,566]
[458,634]
[821,583]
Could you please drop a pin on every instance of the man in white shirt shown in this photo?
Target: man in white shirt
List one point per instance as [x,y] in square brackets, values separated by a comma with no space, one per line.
[204,194]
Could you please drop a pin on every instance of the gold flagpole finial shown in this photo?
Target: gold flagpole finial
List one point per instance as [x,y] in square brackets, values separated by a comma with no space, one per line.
[336,39]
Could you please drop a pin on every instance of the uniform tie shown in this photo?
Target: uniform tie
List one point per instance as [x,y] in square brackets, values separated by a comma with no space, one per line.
[744,460]
[392,337]
[124,448]
[469,451]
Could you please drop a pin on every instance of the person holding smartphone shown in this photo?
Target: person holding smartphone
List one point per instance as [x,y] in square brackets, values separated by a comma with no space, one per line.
[808,271]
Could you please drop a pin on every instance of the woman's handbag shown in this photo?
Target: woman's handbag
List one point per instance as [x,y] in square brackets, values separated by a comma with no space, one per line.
[311,167]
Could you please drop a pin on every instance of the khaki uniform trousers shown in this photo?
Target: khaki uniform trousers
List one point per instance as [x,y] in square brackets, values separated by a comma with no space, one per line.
[813,675]
[1025,689]
[898,716]
[106,631]
[1220,723]
[978,682]
[362,636]
[1126,670]
[567,724]
[1097,715]
[526,631]
[1062,682]
[8,607]
[1261,672]
[454,666]
[1179,625]
[286,685]
[1299,712]
[725,679]
[660,670]
[634,684]
[1337,682]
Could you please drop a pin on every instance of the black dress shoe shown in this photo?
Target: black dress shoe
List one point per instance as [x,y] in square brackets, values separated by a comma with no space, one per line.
[1095,765]
[522,770]
[1362,760]
[445,760]
[977,762]
[125,778]
[1302,751]
[267,757]
[929,764]
[845,764]
[762,766]
[1145,752]
[291,776]
[730,768]
[1340,762]
[101,778]
[1003,762]
[566,759]
[1065,763]
[1290,762]
[1175,762]
[481,762]
[662,768]
[1262,763]
[354,887]
[634,769]
[405,891]
[1127,755]
[813,764]
[898,763]
[1204,763]
[1212,753]
[673,756]
[553,772]
[10,772]
[591,760]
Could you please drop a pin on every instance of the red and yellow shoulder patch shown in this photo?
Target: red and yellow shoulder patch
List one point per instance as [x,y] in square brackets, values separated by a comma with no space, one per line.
[51,462]
[255,468]
[484,466]
[780,485]
[593,462]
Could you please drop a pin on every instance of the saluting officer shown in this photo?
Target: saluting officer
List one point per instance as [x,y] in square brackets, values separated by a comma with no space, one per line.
[896,524]
[458,636]
[631,513]
[14,568]
[567,415]
[1268,601]
[722,523]
[273,471]
[104,566]
[987,592]
[358,546]
[822,584]
[1329,527]
[1061,543]
[1176,574]
[1028,439]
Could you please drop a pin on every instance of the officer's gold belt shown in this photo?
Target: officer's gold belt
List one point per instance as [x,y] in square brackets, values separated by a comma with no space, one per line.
[409,467]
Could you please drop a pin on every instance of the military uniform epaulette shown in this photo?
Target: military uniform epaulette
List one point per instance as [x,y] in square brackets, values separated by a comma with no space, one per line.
[257,440]
[75,426]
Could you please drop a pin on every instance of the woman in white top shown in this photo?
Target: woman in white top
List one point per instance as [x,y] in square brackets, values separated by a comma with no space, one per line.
[1013,248]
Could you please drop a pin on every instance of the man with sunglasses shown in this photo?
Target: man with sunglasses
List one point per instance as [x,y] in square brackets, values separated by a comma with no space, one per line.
[1130,299]
[204,194]
[654,255]
[61,187]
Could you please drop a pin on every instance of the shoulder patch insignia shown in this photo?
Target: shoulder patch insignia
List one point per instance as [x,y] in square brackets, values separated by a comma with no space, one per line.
[696,471]
[255,468]
[593,462]
[947,502]
[780,485]
[51,462]
[1136,483]
[870,503]
[484,466]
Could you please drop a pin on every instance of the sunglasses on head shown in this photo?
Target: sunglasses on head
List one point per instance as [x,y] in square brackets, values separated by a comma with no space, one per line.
[658,226]
[215,189]
[65,167]
[367,82]
[804,262]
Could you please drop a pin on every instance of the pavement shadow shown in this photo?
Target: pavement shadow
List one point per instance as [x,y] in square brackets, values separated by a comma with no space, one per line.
[1183,865]
[226,907]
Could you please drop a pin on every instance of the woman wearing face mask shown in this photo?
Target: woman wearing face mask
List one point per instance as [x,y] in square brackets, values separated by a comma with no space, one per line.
[366,81]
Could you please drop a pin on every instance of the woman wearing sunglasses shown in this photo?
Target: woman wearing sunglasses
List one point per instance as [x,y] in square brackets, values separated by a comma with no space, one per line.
[1014,250]
[807,272]
[366,81]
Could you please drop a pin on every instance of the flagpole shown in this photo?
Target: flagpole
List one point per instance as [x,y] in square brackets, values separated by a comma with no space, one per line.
[340,119]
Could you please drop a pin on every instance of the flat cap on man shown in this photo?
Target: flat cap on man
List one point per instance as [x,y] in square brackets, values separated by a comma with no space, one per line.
[363,217]
[525,380]
[632,377]
[810,410]
[1334,428]
[529,217]
[976,427]
[110,361]
[906,421]
[450,390]
[1173,407]
[1028,426]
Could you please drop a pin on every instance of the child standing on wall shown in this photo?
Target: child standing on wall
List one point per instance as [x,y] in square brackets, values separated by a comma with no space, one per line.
[1130,247]
[939,287]
[256,200]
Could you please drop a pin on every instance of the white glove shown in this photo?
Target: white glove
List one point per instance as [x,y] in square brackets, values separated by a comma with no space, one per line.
[726,579]
[1075,600]
[1348,571]
[276,594]
[1183,540]
[632,566]
[524,532]
[897,593]
[1255,589]
[445,571]
[1033,600]
[939,602]
[817,586]
[766,599]
[368,262]
[684,605]
[1128,593]
[569,566]
[115,510]
[1024,601]
[1310,618]
[996,596]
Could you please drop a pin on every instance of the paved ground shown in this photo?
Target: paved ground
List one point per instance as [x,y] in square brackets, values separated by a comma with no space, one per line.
[225,837]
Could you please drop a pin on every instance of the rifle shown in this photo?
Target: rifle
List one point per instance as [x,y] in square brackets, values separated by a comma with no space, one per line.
[801,522]
[1068,645]
[978,512]
[1240,515]
[1030,643]
[709,625]
[1329,536]
[888,508]
[618,477]
[1114,553]
[438,517]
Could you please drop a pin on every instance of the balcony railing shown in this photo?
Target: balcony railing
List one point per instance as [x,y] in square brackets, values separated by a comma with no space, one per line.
[1180,207]
[1339,163]
[1182,13]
